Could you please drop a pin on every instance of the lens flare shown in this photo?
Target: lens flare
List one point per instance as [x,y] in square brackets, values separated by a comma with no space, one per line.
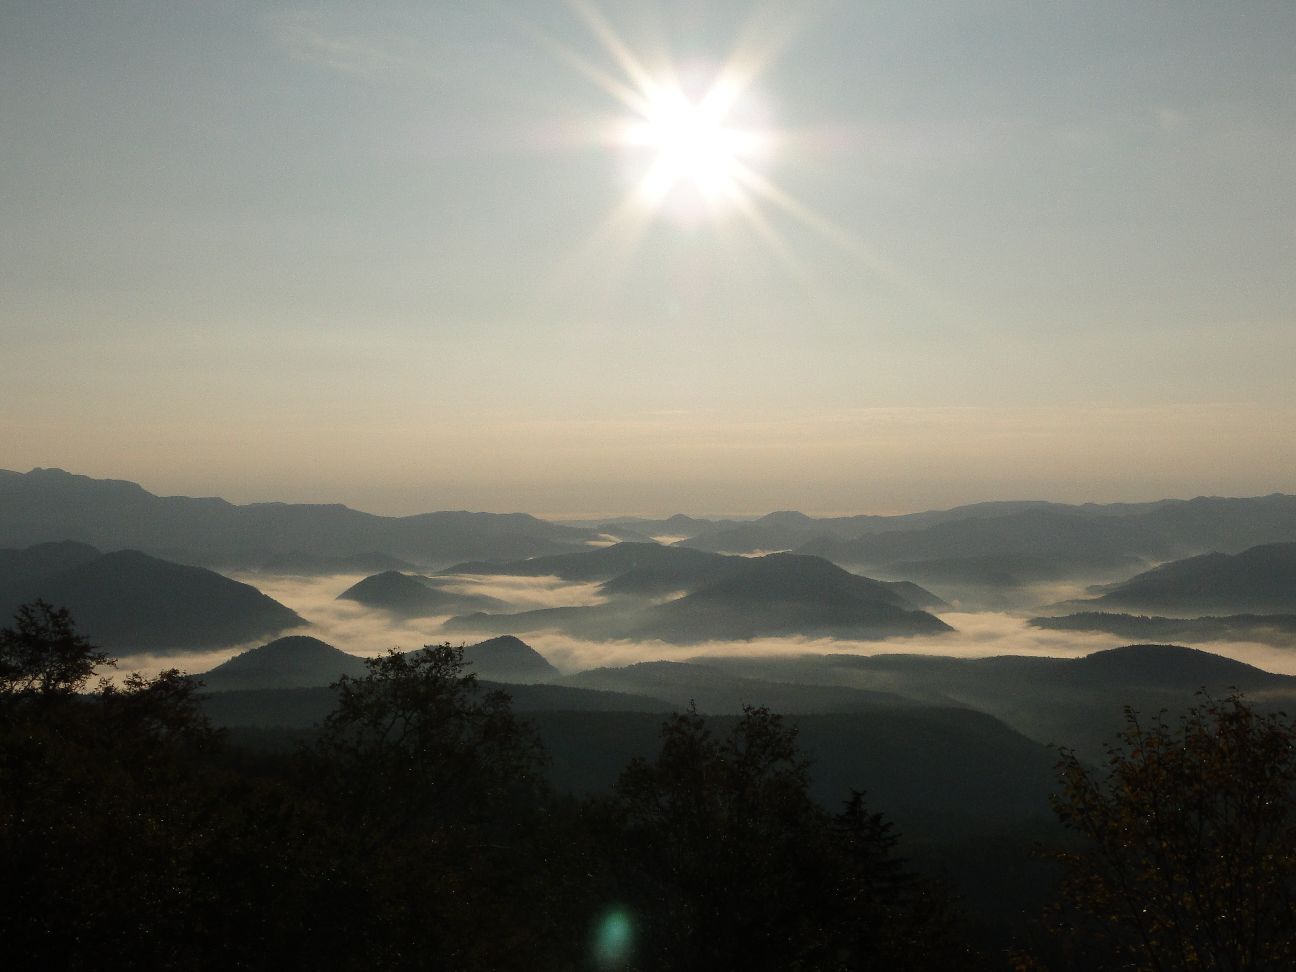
[613,940]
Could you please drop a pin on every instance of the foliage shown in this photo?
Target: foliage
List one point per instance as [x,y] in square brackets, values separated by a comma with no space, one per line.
[1190,859]
[415,830]
[732,864]
[415,737]
[436,791]
[43,655]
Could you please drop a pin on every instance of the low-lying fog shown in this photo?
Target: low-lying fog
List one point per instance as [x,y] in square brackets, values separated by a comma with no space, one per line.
[363,631]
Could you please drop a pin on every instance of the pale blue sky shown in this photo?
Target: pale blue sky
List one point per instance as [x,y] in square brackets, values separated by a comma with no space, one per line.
[353,252]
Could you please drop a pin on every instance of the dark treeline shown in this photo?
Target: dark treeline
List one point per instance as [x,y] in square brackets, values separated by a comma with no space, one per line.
[416,829]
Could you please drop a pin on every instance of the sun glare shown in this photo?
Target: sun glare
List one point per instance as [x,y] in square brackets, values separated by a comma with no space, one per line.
[689,143]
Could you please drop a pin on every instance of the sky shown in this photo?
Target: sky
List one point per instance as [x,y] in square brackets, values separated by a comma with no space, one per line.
[607,258]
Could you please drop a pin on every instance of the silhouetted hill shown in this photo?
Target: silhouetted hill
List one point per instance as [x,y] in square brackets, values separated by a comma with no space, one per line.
[128,601]
[508,659]
[286,663]
[50,504]
[1273,629]
[1074,702]
[1164,665]
[783,594]
[30,564]
[413,597]
[654,570]
[1259,580]
[301,662]
[780,594]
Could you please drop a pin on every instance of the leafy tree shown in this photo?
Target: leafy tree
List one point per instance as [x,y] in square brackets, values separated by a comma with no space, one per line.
[731,863]
[1189,860]
[43,655]
[435,790]
[416,738]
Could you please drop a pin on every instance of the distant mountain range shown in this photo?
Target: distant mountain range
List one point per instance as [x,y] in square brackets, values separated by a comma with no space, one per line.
[129,602]
[50,504]
[972,550]
[1011,544]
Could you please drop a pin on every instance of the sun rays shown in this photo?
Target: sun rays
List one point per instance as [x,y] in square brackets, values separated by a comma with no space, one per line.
[699,145]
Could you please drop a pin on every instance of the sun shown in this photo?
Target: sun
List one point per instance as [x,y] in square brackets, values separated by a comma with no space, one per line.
[691,144]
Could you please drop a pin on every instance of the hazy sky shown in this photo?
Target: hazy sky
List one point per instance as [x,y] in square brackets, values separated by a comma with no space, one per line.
[415,256]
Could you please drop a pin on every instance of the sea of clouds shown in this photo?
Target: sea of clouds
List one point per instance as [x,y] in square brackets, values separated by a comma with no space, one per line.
[365,632]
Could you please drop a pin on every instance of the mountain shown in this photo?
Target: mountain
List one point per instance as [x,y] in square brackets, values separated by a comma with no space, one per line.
[298,662]
[1066,539]
[1271,629]
[1259,580]
[130,602]
[779,594]
[1029,529]
[50,504]
[1077,702]
[413,597]
[31,564]
[655,570]
[508,659]
[294,662]
[788,594]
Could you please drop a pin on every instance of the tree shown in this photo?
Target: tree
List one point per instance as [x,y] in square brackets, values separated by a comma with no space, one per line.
[416,738]
[438,803]
[43,655]
[1189,859]
[729,862]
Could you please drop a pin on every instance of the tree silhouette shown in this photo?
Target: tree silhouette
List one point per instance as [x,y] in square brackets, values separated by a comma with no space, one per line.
[1190,857]
[43,655]
[731,863]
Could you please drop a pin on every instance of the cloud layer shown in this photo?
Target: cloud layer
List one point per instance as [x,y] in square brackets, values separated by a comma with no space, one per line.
[366,632]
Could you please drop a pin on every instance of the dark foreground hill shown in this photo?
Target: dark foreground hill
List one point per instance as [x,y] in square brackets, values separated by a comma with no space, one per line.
[286,663]
[1075,702]
[130,602]
[300,662]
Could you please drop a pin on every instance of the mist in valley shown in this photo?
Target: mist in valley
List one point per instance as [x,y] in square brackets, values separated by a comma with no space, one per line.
[367,632]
